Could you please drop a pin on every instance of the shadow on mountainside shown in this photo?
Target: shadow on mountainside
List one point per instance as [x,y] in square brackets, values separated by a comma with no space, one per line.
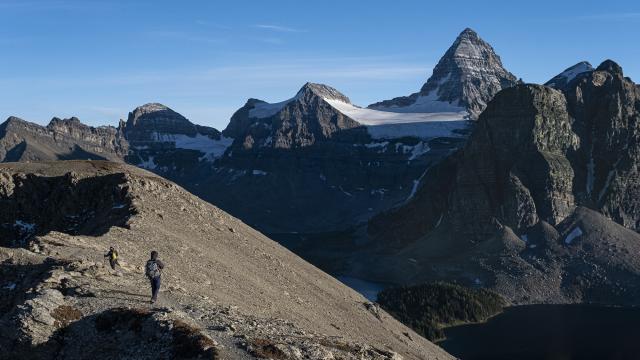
[35,205]
[80,153]
[15,153]
[120,333]
[16,279]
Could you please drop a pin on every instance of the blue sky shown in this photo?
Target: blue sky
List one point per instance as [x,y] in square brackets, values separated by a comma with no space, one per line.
[100,59]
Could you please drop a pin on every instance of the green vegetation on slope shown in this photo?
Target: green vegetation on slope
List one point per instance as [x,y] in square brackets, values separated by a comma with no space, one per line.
[430,307]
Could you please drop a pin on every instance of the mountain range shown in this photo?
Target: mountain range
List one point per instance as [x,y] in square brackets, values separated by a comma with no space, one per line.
[476,178]
[317,149]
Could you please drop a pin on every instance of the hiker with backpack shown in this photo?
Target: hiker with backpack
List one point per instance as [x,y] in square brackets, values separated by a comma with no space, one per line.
[112,255]
[153,270]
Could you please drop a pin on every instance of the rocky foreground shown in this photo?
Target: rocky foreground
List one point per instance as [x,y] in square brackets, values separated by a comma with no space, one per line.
[228,291]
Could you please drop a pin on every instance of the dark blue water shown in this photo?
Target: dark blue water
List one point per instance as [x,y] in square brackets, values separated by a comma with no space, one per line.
[554,332]
[368,289]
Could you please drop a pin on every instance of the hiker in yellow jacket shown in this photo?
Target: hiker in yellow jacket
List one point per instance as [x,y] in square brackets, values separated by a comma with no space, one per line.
[112,255]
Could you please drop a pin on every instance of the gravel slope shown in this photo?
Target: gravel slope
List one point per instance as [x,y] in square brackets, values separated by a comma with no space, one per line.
[243,290]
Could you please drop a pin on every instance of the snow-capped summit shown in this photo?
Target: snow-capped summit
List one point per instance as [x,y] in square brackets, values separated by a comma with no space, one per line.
[154,131]
[561,80]
[465,79]
[324,91]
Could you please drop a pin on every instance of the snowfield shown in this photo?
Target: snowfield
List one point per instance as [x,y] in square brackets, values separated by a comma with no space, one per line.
[211,148]
[575,233]
[395,124]
[570,73]
[377,117]
[426,118]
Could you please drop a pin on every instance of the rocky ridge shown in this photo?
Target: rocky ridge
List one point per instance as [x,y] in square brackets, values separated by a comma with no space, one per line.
[61,139]
[228,292]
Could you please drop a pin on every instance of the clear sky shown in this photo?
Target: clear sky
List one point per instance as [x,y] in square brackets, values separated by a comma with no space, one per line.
[100,59]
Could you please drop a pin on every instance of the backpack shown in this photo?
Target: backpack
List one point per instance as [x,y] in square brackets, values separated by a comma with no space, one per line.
[114,255]
[152,270]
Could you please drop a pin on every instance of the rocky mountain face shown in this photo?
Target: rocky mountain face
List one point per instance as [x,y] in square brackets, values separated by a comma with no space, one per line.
[301,121]
[61,139]
[163,141]
[150,122]
[319,159]
[228,292]
[467,77]
[510,210]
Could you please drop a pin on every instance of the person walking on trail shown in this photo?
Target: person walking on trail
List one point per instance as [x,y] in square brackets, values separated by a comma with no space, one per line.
[153,270]
[112,255]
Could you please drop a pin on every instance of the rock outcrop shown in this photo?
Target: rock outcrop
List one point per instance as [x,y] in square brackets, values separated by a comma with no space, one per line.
[467,77]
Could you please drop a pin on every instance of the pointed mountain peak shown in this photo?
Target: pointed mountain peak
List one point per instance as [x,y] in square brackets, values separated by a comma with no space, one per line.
[16,122]
[610,66]
[155,112]
[13,122]
[468,33]
[581,64]
[561,80]
[14,119]
[467,76]
[323,91]
[470,45]
[151,107]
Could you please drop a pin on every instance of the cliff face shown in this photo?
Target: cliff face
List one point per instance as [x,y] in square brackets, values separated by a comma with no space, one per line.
[61,139]
[516,166]
[537,158]
[606,109]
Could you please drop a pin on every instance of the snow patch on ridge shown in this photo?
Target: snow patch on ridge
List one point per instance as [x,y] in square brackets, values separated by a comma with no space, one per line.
[148,164]
[575,233]
[264,110]
[422,130]
[418,150]
[211,148]
[571,73]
